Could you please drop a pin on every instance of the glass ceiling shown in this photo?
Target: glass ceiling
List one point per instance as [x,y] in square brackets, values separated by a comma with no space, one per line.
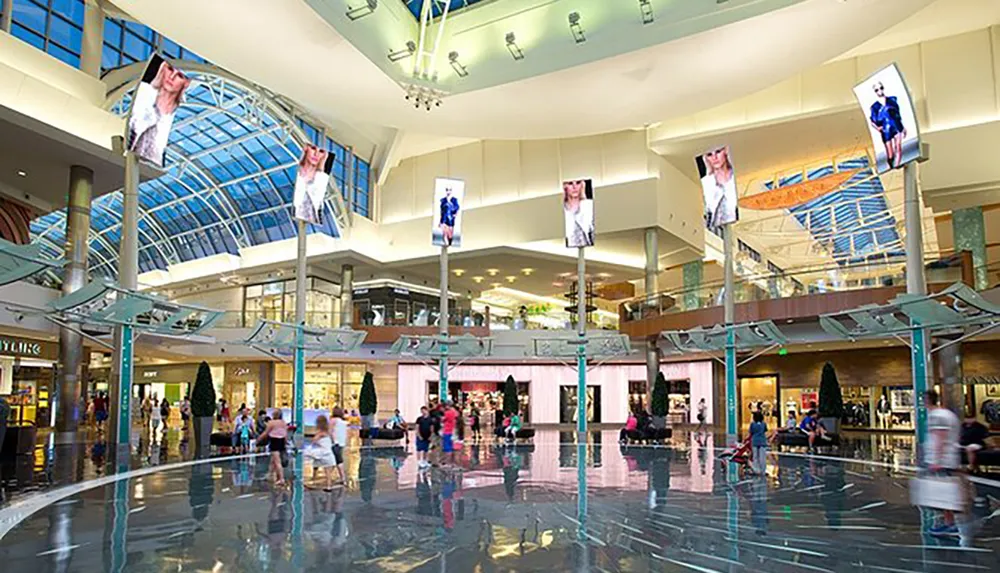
[437,6]
[228,184]
[854,222]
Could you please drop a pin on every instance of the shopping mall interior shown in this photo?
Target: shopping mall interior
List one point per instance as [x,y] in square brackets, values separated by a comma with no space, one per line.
[338,212]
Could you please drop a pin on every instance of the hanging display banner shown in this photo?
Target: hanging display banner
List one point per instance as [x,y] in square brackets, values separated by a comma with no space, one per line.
[157,97]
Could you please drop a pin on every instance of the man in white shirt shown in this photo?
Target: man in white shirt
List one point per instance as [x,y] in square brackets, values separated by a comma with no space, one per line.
[941,452]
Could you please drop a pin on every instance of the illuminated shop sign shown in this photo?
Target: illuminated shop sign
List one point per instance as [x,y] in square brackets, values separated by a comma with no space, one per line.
[19,347]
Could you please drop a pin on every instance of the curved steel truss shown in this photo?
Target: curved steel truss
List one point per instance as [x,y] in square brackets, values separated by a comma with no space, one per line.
[227,184]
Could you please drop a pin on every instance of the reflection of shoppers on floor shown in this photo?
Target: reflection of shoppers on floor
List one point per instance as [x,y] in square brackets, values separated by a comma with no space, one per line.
[887,120]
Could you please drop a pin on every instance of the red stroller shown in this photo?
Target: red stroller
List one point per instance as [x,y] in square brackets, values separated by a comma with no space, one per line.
[739,454]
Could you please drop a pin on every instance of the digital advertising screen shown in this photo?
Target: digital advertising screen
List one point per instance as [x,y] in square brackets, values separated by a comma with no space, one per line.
[892,121]
[718,187]
[311,182]
[578,212]
[449,196]
[157,97]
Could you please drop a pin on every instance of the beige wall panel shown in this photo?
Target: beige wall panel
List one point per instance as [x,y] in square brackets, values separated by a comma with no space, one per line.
[396,196]
[775,102]
[429,167]
[501,171]
[624,156]
[959,81]
[721,117]
[466,163]
[581,158]
[829,86]
[539,167]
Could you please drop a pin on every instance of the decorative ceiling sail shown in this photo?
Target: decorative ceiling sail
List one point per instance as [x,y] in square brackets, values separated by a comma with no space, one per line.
[748,336]
[465,346]
[796,194]
[18,262]
[600,344]
[282,337]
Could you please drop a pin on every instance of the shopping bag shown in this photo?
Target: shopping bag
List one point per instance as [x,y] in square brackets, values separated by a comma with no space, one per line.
[938,492]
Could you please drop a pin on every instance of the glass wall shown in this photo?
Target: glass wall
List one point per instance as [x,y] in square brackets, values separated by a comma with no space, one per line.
[53,26]
[327,385]
[276,301]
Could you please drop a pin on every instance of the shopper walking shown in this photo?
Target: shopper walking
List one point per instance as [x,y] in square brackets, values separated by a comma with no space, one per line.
[321,452]
[758,443]
[155,415]
[448,421]
[702,414]
[475,422]
[942,456]
[339,441]
[165,413]
[275,433]
[185,408]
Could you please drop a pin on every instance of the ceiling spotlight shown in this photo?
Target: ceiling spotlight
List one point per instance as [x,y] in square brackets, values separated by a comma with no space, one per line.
[361,11]
[409,50]
[460,70]
[646,7]
[21,173]
[423,96]
[527,272]
[493,272]
[513,48]
[510,278]
[575,28]
[477,279]
[496,285]
[459,272]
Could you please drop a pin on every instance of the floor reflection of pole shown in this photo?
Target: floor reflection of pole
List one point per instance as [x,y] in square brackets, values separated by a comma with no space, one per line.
[581,490]
[733,510]
[119,529]
[298,513]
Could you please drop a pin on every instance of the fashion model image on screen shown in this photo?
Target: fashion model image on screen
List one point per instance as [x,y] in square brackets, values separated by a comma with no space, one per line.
[311,182]
[892,123]
[448,197]
[578,212]
[718,186]
[157,98]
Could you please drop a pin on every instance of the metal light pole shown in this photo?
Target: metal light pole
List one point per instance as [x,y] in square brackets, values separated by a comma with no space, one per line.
[443,327]
[581,351]
[120,387]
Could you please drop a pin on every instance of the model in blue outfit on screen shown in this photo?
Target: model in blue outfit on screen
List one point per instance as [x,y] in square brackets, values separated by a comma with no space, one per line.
[449,211]
[887,120]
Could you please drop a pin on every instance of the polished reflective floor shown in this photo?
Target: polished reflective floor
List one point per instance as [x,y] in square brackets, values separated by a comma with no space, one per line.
[504,509]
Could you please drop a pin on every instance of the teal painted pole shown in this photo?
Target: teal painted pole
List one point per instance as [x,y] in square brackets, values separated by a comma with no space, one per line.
[123,431]
[443,328]
[581,490]
[731,409]
[298,514]
[300,383]
[581,352]
[920,366]
[119,528]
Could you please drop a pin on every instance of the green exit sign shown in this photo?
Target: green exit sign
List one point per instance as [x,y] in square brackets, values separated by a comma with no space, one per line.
[783,351]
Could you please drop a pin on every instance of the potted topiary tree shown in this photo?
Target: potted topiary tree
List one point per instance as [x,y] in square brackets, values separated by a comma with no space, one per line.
[510,402]
[368,402]
[660,401]
[203,408]
[831,402]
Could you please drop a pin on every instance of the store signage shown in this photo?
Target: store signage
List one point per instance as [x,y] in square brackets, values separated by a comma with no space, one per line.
[150,374]
[400,291]
[241,371]
[360,291]
[995,379]
[20,347]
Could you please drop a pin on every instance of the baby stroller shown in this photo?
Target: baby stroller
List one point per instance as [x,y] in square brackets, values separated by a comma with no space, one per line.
[740,454]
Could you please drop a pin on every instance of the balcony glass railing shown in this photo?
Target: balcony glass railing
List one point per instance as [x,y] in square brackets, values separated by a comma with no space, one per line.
[247,319]
[771,286]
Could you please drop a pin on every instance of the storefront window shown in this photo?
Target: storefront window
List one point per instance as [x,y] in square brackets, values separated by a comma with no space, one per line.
[568,404]
[276,301]
[326,386]
[678,401]
[758,394]
[636,395]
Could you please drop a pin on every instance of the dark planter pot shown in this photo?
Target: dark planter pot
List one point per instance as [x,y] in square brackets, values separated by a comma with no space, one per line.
[659,422]
[832,425]
[202,434]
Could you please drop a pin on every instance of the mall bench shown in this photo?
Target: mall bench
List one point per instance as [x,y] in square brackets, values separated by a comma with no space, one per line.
[382,433]
[651,435]
[522,434]
[986,457]
[797,439]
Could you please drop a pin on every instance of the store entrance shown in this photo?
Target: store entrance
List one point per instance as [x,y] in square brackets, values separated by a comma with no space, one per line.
[758,394]
[568,404]
[487,397]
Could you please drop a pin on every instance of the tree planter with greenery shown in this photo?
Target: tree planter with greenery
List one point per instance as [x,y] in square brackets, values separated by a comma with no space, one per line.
[660,401]
[831,402]
[368,401]
[203,408]
[510,401]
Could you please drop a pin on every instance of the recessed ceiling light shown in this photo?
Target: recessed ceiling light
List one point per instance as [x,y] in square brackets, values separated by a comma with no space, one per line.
[510,278]
[459,272]
[604,275]
[493,272]
[496,285]
[527,272]
[478,279]
[21,173]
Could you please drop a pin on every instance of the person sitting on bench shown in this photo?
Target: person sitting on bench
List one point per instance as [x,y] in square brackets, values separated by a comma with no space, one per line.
[972,439]
[513,427]
[630,426]
[811,426]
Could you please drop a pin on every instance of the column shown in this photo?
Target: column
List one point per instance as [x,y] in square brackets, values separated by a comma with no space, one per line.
[6,14]
[652,248]
[299,375]
[693,274]
[67,394]
[730,317]
[265,388]
[969,230]
[949,363]
[93,38]
[346,296]
[120,383]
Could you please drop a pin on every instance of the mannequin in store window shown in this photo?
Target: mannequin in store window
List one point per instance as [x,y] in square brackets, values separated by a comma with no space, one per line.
[884,413]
